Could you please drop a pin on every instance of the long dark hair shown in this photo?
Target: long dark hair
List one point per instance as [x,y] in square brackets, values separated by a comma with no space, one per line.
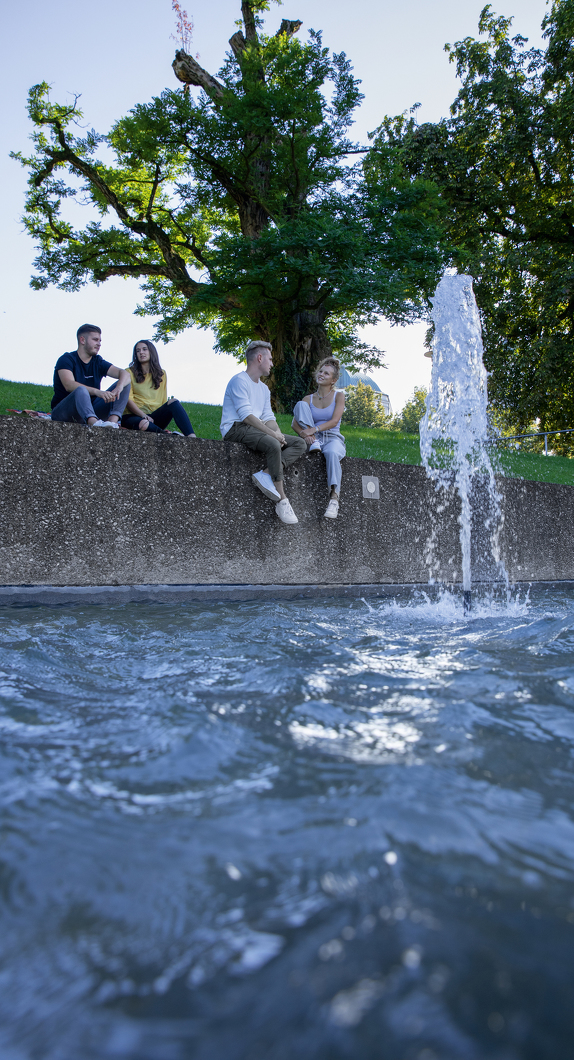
[154,365]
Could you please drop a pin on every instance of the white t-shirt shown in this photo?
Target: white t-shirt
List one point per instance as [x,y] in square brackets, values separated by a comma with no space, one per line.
[244,398]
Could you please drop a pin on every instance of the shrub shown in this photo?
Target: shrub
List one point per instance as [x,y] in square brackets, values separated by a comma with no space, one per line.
[364,407]
[408,420]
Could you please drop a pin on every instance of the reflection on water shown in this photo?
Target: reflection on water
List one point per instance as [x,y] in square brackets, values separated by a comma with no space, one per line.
[338,831]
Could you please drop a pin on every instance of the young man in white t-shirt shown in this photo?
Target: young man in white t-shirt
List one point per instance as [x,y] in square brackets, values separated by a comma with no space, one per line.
[247,418]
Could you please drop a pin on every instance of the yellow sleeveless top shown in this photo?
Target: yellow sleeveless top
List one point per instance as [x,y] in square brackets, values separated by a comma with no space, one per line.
[144,395]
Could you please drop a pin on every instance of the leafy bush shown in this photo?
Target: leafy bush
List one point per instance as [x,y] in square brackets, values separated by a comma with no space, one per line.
[408,420]
[364,407]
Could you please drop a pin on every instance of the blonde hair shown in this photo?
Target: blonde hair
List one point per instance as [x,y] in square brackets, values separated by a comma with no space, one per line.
[332,362]
[253,348]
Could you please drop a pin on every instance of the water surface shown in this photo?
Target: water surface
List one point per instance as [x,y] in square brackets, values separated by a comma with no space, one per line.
[338,831]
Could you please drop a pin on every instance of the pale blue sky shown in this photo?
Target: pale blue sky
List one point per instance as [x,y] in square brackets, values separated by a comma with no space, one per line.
[117,53]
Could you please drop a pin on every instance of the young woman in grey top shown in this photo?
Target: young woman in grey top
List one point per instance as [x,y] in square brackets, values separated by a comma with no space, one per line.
[317,419]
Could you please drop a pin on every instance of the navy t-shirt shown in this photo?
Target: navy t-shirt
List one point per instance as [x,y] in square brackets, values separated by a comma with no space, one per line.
[90,374]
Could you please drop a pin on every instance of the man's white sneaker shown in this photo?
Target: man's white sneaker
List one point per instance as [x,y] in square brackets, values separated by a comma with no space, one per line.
[106,423]
[332,509]
[285,512]
[264,482]
[314,447]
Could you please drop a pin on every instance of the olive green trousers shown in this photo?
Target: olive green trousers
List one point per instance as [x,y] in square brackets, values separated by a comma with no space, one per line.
[277,458]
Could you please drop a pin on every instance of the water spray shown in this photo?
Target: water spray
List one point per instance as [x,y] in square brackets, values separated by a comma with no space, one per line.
[454,430]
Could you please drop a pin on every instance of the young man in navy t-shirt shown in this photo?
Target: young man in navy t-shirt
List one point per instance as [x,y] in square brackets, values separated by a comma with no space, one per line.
[77,381]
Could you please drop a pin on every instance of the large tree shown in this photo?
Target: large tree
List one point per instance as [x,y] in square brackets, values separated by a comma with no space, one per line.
[243,206]
[504,166]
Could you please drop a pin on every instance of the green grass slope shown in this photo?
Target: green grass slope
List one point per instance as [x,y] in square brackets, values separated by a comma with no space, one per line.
[24,396]
[368,443]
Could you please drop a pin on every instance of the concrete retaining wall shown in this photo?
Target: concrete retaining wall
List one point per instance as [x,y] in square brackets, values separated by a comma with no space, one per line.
[100,507]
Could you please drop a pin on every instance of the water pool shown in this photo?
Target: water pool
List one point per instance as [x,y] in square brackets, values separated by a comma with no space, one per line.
[339,831]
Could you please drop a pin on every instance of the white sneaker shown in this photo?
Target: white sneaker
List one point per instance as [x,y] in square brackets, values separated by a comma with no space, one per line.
[285,512]
[106,423]
[314,447]
[332,509]
[264,482]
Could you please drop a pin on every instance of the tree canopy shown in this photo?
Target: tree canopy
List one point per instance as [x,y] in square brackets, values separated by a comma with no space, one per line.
[244,206]
[364,407]
[409,418]
[504,163]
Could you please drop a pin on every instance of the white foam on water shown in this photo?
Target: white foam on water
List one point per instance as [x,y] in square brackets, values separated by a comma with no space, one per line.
[447,607]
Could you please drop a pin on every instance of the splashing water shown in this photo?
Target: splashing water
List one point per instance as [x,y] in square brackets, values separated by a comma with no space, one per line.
[453,432]
[309,829]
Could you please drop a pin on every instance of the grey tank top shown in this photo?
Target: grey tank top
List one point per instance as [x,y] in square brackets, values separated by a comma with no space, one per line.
[324,415]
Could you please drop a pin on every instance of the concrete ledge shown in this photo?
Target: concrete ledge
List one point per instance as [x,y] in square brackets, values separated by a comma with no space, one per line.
[120,508]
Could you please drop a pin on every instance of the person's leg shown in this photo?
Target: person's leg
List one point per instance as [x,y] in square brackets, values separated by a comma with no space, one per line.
[271,447]
[112,410]
[131,423]
[293,449]
[270,482]
[173,410]
[304,417]
[136,423]
[333,450]
[302,413]
[261,443]
[76,407]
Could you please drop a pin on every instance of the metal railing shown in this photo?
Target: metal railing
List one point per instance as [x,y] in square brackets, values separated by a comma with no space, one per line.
[536,434]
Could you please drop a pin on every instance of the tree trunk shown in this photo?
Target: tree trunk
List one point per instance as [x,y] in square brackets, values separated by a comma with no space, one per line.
[297,350]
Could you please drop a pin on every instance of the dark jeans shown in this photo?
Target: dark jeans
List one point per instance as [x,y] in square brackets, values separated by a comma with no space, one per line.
[78,405]
[172,410]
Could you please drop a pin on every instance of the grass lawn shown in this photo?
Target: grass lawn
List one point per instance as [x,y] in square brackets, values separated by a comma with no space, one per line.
[24,396]
[368,443]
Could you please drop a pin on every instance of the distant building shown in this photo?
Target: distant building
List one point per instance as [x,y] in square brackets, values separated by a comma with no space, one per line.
[346,379]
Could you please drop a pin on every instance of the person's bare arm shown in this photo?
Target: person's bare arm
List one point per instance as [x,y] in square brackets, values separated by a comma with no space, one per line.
[339,410]
[123,380]
[69,383]
[274,426]
[134,410]
[270,427]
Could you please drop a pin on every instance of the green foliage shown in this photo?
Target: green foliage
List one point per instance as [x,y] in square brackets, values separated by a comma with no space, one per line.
[503,164]
[364,407]
[236,208]
[409,419]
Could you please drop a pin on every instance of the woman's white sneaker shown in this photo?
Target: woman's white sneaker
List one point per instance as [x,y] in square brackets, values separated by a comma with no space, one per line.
[314,447]
[332,509]
[285,512]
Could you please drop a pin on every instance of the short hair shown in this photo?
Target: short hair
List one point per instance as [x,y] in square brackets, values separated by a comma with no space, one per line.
[83,330]
[331,362]
[255,345]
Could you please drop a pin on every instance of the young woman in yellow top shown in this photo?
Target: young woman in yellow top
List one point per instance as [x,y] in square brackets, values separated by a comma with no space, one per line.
[148,407]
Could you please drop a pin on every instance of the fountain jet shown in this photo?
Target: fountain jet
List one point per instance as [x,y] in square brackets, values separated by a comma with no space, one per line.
[454,430]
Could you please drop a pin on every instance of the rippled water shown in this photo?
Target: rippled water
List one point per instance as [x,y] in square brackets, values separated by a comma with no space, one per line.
[264,832]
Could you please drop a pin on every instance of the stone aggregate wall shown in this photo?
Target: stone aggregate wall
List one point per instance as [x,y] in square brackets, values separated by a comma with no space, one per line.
[86,507]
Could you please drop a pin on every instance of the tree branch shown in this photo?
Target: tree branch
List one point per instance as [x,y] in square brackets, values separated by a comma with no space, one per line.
[189,71]
[289,27]
[535,168]
[153,191]
[249,22]
[238,44]
[175,265]
[141,269]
